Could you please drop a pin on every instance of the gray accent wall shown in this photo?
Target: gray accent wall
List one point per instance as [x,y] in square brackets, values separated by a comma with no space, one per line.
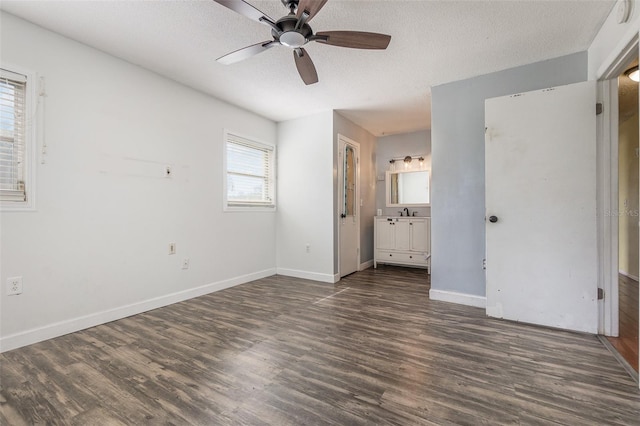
[457,191]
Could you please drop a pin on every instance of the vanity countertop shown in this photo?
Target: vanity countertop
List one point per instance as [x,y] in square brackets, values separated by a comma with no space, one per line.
[403,217]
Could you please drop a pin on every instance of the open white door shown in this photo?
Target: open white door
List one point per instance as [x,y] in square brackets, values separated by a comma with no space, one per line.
[349,207]
[541,241]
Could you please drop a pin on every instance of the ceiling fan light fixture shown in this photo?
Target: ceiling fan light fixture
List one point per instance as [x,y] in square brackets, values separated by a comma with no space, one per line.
[292,39]
[633,73]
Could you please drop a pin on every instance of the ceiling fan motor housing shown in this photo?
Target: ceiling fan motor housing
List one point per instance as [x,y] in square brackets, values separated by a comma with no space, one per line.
[290,36]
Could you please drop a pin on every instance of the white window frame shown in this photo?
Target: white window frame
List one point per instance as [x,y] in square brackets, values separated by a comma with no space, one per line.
[230,206]
[30,148]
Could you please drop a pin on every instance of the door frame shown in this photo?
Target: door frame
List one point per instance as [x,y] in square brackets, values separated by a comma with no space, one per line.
[338,212]
[607,187]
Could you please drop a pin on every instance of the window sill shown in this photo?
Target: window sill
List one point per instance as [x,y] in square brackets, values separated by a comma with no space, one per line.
[7,206]
[248,208]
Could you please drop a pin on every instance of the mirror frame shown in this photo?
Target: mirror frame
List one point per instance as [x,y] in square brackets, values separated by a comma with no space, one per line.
[388,188]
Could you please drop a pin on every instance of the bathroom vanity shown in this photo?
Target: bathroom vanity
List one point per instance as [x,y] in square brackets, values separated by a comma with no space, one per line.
[402,241]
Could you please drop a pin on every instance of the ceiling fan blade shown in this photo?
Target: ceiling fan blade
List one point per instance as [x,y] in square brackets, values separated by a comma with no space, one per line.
[311,6]
[245,9]
[305,66]
[354,39]
[245,52]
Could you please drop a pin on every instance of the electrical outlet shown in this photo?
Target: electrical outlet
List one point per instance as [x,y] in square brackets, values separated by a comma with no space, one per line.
[172,248]
[14,286]
[308,248]
[185,263]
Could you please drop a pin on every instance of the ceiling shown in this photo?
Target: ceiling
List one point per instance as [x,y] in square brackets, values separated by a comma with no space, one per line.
[386,92]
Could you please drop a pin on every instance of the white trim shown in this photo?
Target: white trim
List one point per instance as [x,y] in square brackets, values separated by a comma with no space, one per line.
[607,181]
[31,142]
[459,298]
[633,277]
[366,265]
[50,331]
[307,275]
[607,201]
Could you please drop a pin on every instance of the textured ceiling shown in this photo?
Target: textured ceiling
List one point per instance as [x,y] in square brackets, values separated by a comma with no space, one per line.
[386,92]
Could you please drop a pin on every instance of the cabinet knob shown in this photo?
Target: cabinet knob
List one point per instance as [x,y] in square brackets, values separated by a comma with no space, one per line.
[493,219]
[390,255]
[410,257]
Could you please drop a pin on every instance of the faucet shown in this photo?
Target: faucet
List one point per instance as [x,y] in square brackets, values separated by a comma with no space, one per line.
[406,210]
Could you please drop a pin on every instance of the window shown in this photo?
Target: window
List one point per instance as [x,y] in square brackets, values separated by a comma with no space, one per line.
[249,173]
[14,139]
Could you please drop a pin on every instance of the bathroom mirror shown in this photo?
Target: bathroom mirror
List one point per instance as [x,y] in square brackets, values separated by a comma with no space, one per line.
[408,188]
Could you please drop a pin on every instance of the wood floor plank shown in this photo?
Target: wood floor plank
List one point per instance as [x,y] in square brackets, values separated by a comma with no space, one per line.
[371,349]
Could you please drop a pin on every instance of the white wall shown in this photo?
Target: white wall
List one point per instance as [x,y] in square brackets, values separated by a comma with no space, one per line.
[305,198]
[396,146]
[367,142]
[96,249]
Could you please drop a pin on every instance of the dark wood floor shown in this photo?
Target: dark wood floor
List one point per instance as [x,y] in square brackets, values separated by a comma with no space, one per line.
[373,349]
[627,342]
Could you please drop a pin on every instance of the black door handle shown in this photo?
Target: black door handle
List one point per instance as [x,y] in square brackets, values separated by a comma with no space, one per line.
[493,219]
[343,215]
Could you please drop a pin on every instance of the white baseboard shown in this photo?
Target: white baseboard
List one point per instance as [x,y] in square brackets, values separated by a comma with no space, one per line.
[314,276]
[50,331]
[633,277]
[366,265]
[459,298]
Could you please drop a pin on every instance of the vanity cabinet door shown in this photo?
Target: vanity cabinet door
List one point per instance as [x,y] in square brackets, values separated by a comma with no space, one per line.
[385,235]
[419,237]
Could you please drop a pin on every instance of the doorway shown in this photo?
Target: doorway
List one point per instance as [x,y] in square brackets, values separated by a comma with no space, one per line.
[626,343]
[349,205]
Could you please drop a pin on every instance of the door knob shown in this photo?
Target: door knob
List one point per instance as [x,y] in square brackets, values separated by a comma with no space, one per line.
[493,219]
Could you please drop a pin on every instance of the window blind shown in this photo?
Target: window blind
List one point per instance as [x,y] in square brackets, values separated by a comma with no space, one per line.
[12,136]
[249,172]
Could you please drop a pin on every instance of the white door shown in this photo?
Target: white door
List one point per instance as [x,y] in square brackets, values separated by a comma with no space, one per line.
[540,153]
[349,207]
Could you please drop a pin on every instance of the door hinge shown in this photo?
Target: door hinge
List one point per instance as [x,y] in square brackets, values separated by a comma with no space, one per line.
[599,108]
[600,293]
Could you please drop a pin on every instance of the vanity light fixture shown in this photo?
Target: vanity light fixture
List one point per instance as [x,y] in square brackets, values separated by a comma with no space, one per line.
[407,161]
[633,73]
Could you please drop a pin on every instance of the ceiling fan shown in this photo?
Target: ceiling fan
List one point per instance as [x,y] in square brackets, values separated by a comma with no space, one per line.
[293,31]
